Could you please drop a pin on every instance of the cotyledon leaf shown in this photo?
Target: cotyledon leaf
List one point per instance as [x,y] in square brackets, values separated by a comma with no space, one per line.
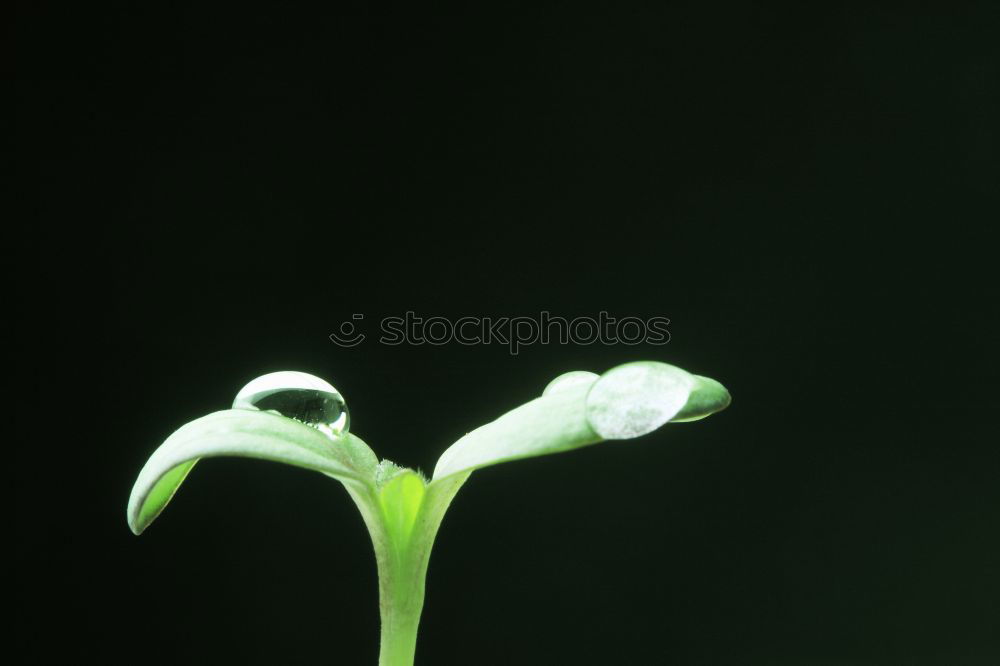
[579,408]
[549,424]
[249,434]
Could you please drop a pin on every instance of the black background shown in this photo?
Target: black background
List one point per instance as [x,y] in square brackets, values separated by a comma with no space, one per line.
[804,193]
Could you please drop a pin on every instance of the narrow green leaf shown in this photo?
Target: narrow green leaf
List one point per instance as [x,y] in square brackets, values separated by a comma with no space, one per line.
[249,434]
[549,424]
[580,408]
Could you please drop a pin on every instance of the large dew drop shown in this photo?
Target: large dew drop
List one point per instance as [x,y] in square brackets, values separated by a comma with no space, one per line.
[299,396]
[636,398]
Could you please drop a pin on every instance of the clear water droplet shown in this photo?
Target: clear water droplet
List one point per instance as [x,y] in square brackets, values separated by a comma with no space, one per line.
[299,396]
[636,398]
[569,380]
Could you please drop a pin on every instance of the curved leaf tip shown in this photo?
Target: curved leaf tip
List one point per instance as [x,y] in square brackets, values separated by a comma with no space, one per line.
[707,397]
[248,434]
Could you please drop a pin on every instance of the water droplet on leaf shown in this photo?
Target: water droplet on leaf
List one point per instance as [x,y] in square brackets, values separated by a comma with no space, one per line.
[299,396]
[636,398]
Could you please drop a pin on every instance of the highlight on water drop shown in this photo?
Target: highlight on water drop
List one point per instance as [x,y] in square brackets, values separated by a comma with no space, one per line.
[299,396]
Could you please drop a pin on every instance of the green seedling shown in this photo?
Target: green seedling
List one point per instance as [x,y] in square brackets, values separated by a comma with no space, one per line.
[301,420]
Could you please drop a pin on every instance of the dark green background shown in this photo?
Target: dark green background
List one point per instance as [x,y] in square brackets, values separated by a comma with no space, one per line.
[806,194]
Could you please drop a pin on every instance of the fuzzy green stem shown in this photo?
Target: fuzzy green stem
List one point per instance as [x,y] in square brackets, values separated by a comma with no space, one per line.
[401,600]
[402,552]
